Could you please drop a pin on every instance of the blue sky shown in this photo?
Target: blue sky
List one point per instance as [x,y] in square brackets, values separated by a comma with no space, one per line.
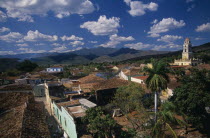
[37,26]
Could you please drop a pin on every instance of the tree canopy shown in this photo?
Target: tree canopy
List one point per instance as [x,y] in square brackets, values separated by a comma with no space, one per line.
[26,66]
[158,77]
[192,96]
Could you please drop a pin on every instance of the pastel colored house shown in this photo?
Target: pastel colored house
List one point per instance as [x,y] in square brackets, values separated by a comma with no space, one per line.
[67,113]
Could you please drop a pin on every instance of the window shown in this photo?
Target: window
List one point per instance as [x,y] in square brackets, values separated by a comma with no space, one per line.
[65,121]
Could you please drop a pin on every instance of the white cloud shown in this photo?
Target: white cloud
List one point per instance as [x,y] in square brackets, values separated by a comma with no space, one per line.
[39,44]
[72,37]
[138,45]
[11,37]
[167,47]
[59,49]
[190,8]
[103,26]
[137,8]
[56,44]
[203,28]
[165,25]
[7,53]
[169,38]
[24,9]
[93,42]
[22,45]
[4,29]
[3,16]
[127,2]
[154,21]
[76,43]
[29,50]
[199,38]
[187,1]
[114,40]
[37,36]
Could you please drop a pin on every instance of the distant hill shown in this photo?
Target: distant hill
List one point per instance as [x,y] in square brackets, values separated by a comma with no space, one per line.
[99,51]
[8,63]
[97,55]
[101,54]
[123,51]
[201,51]
[27,55]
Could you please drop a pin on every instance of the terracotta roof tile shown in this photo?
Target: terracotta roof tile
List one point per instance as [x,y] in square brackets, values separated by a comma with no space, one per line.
[141,77]
[111,83]
[90,78]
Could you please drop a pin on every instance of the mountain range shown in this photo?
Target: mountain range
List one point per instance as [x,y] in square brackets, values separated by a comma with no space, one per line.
[97,55]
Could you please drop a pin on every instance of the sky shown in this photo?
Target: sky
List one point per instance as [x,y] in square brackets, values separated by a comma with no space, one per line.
[39,26]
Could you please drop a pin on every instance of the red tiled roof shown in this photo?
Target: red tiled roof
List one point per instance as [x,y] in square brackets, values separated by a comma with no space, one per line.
[90,78]
[141,77]
[110,84]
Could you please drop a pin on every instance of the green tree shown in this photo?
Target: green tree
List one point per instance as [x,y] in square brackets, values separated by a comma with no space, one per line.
[26,66]
[192,96]
[99,124]
[128,99]
[166,118]
[157,79]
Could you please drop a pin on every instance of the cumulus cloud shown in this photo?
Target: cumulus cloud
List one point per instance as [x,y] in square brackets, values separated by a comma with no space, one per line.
[137,8]
[167,47]
[154,21]
[4,29]
[11,37]
[103,26]
[138,45]
[22,45]
[93,42]
[56,44]
[29,50]
[59,49]
[199,38]
[203,28]
[39,44]
[7,53]
[165,25]
[3,16]
[72,37]
[37,36]
[114,40]
[190,8]
[169,38]
[76,43]
[24,9]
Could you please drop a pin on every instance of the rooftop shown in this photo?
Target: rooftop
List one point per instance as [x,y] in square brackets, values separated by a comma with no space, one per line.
[15,87]
[141,77]
[110,84]
[90,78]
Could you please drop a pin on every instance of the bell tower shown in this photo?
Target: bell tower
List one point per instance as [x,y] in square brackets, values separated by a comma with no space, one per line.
[187,50]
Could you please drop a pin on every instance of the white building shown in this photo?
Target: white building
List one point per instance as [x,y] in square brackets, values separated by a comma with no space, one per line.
[54,69]
[187,55]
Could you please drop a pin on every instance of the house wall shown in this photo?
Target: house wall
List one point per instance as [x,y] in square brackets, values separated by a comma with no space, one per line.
[122,75]
[54,69]
[136,80]
[65,120]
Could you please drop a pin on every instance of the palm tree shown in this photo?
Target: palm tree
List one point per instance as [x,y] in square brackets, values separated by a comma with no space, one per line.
[157,79]
[166,118]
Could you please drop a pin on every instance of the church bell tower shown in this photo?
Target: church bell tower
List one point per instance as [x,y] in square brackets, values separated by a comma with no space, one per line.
[187,50]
